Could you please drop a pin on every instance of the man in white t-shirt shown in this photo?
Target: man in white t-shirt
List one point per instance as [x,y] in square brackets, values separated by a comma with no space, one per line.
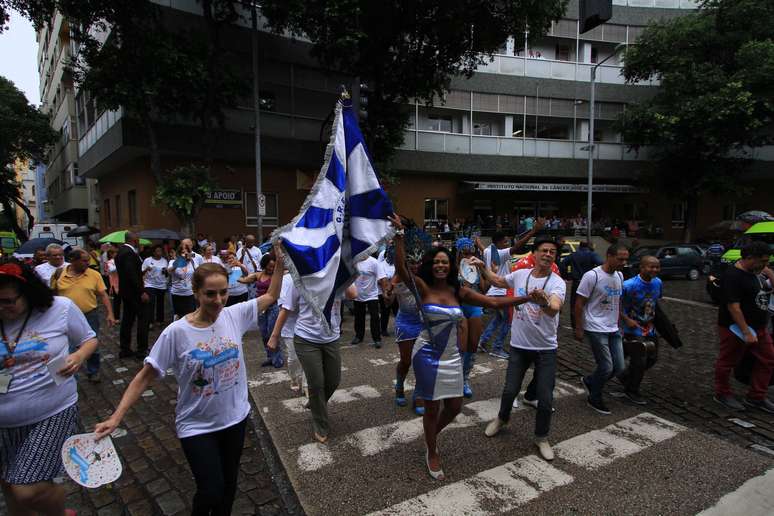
[370,276]
[497,258]
[597,312]
[533,338]
[389,271]
[250,256]
[195,257]
[55,261]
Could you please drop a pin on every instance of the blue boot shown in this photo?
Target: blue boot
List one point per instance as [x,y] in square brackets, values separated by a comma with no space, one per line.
[400,395]
[468,358]
[419,411]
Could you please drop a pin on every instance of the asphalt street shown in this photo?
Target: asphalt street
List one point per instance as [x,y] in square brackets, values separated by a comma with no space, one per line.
[639,460]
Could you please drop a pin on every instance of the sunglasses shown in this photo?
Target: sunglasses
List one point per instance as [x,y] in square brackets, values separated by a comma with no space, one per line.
[213,293]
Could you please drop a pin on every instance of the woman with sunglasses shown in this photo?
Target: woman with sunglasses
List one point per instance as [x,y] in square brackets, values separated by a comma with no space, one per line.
[436,354]
[38,407]
[204,349]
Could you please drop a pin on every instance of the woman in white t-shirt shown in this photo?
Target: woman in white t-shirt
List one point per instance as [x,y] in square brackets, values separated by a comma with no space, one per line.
[181,270]
[204,350]
[37,412]
[156,281]
[209,256]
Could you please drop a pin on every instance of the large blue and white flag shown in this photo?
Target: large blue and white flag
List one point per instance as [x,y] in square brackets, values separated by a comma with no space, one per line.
[342,220]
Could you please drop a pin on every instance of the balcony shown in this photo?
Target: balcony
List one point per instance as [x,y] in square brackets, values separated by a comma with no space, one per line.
[551,69]
[432,141]
[663,4]
[105,121]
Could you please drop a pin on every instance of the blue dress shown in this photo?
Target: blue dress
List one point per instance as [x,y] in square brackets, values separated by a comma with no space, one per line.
[408,322]
[437,362]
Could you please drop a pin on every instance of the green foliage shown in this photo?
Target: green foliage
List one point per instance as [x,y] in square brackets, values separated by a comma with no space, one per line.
[406,49]
[37,11]
[716,99]
[184,188]
[24,130]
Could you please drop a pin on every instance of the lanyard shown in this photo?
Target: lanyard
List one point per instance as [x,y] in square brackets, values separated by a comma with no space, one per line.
[9,360]
[526,288]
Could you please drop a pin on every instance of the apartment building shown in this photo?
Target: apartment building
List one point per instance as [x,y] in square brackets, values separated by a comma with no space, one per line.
[511,140]
[70,196]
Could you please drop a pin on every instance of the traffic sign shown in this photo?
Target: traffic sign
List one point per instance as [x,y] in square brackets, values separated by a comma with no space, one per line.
[262,205]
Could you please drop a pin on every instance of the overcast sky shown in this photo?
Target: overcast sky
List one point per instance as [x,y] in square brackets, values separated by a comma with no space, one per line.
[19,52]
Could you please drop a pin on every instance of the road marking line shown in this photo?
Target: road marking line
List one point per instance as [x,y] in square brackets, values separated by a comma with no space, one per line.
[598,448]
[753,498]
[272,378]
[505,487]
[689,302]
[359,392]
[377,439]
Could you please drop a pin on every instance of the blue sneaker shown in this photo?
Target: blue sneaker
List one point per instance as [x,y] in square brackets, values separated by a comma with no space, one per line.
[466,390]
[499,353]
[419,411]
[400,397]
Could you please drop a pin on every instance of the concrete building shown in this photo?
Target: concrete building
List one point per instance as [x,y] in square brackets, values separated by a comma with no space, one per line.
[24,171]
[511,140]
[70,196]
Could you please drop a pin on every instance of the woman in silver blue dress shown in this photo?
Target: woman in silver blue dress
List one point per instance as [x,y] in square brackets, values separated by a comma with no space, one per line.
[436,355]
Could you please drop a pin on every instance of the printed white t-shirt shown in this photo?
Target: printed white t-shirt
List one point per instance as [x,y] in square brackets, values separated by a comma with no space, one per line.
[308,324]
[244,255]
[209,366]
[285,301]
[503,271]
[603,293]
[155,277]
[367,282]
[213,259]
[531,327]
[32,394]
[181,279]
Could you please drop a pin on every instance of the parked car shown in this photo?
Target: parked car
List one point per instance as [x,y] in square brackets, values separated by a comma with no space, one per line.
[702,250]
[676,260]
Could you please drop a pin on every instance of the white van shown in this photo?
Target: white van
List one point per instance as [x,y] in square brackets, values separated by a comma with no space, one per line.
[55,230]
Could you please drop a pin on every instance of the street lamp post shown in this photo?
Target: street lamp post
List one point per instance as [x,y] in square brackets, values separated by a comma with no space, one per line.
[257,109]
[589,194]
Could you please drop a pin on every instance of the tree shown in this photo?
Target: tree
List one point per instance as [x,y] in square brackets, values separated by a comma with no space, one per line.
[183,190]
[406,50]
[716,99]
[37,11]
[24,133]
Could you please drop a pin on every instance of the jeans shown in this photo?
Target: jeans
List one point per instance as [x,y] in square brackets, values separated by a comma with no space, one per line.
[322,367]
[214,460]
[732,351]
[373,314]
[608,354]
[544,376]
[92,363]
[266,320]
[498,326]
[643,354]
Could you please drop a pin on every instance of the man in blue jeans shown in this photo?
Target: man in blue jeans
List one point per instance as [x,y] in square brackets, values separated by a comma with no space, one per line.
[597,312]
[497,259]
[533,339]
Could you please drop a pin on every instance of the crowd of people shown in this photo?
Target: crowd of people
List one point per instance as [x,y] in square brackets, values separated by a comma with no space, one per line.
[51,313]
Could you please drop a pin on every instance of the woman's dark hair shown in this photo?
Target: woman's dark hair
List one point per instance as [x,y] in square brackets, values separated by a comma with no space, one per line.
[426,268]
[37,293]
[157,246]
[265,259]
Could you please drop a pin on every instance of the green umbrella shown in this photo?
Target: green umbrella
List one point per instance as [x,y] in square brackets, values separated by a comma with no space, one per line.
[119,237]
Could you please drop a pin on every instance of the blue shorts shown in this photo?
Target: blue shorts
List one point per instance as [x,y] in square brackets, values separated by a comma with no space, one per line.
[472,311]
[407,326]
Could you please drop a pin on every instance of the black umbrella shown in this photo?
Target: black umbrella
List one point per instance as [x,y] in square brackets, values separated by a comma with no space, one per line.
[751,217]
[28,248]
[160,234]
[82,231]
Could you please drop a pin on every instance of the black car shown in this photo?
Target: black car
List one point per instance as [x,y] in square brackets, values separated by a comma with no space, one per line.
[676,260]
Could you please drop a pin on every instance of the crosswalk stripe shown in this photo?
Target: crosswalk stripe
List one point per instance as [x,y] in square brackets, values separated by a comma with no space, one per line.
[377,439]
[505,487]
[753,498]
[358,392]
[598,448]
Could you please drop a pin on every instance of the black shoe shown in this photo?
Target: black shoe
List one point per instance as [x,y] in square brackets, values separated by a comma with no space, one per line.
[94,377]
[378,344]
[268,362]
[355,341]
[126,353]
[729,402]
[599,406]
[585,385]
[765,404]
[635,398]
[140,355]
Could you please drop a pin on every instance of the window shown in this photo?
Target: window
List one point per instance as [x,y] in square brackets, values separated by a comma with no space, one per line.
[267,101]
[439,123]
[678,215]
[482,129]
[107,213]
[562,52]
[132,200]
[118,210]
[436,209]
[78,180]
[687,251]
[271,219]
[594,54]
[729,211]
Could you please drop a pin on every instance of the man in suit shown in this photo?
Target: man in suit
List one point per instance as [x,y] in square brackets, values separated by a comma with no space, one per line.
[133,295]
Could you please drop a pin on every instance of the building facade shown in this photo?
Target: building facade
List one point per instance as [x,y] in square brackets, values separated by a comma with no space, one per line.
[70,197]
[510,141]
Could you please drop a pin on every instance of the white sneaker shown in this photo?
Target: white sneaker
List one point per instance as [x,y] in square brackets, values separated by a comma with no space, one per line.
[534,404]
[545,449]
[515,402]
[494,427]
